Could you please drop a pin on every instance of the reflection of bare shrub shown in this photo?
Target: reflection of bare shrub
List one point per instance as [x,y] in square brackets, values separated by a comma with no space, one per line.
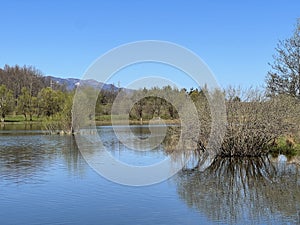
[238,189]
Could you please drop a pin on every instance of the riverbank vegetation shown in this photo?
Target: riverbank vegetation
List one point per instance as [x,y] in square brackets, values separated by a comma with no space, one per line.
[256,124]
[259,121]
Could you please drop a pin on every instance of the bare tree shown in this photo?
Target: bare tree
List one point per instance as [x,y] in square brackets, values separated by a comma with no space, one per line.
[17,77]
[284,78]
[253,121]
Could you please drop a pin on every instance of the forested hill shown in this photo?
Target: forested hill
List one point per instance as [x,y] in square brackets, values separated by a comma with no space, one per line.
[17,77]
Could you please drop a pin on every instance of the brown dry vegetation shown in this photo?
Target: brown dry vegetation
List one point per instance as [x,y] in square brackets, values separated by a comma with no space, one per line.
[253,124]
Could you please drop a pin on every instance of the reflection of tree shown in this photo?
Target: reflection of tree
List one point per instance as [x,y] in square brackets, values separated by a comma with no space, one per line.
[26,158]
[116,146]
[72,156]
[23,158]
[30,127]
[233,190]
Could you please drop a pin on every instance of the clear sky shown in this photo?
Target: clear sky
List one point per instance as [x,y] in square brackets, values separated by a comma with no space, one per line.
[62,38]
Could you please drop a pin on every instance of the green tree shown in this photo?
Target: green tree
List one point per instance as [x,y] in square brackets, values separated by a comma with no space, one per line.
[284,77]
[6,101]
[61,122]
[84,103]
[26,103]
[50,101]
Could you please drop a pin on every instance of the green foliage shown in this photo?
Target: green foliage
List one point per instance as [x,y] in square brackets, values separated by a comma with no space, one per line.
[15,118]
[107,118]
[21,118]
[35,100]
[285,146]
[83,110]
[154,102]
[27,104]
[61,121]
[6,101]
[50,101]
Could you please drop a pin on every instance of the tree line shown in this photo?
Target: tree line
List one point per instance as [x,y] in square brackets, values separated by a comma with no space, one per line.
[256,118]
[16,77]
[47,102]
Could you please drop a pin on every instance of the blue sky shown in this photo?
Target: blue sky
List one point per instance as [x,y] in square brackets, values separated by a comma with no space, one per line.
[236,39]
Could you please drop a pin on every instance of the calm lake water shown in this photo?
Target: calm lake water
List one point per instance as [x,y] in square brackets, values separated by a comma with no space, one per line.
[45,180]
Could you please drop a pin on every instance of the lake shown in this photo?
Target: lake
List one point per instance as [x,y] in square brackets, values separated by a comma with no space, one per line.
[44,179]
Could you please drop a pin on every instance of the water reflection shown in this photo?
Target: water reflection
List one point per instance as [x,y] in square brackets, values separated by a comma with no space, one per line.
[27,158]
[231,191]
[25,128]
[235,189]
[71,154]
[122,151]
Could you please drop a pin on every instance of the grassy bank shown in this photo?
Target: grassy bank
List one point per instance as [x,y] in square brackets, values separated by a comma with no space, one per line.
[100,120]
[21,119]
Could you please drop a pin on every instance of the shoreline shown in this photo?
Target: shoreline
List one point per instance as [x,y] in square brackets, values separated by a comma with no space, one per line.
[100,122]
[38,125]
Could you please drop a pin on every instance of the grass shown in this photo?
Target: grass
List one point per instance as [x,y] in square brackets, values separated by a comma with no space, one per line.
[109,117]
[285,146]
[21,118]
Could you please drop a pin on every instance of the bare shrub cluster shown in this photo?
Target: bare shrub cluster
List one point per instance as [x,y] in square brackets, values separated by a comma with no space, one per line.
[254,121]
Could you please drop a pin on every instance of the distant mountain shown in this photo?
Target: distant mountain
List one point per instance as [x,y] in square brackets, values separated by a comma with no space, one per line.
[17,77]
[71,83]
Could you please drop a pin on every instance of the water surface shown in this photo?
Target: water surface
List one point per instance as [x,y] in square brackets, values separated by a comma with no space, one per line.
[45,180]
